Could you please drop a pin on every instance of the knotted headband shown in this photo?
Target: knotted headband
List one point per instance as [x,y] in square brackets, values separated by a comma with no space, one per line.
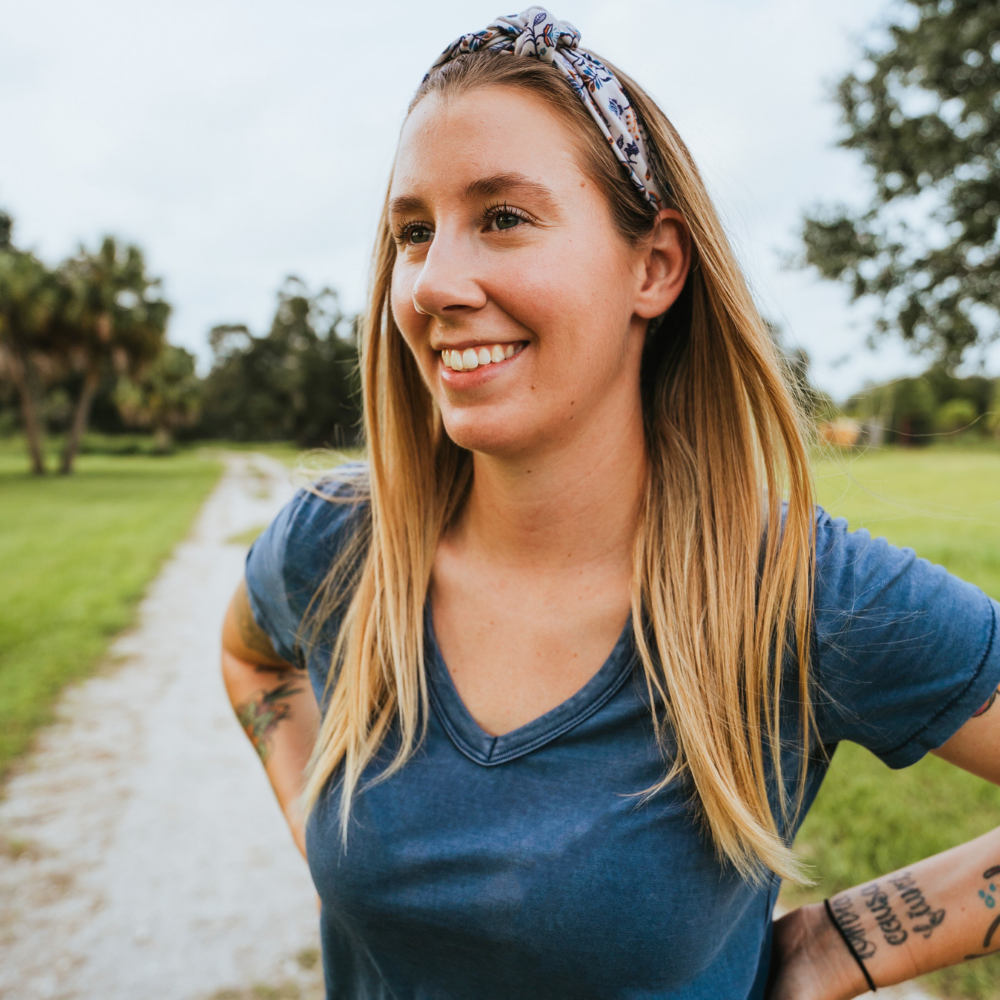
[535,32]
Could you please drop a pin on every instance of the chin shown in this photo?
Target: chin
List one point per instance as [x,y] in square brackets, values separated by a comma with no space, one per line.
[488,433]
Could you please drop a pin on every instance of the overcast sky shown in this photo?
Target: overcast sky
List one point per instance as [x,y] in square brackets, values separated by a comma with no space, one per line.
[239,142]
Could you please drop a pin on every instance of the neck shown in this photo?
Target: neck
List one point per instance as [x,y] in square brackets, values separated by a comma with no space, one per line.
[561,505]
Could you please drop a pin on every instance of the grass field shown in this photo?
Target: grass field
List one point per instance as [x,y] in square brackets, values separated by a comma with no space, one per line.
[76,554]
[868,820]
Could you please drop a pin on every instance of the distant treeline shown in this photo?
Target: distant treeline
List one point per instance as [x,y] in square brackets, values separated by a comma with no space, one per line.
[299,382]
[83,345]
[917,410]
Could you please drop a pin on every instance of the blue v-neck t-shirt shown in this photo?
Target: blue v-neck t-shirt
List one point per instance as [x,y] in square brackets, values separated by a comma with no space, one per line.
[528,866]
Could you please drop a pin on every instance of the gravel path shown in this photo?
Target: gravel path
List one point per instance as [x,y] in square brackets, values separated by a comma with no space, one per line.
[142,855]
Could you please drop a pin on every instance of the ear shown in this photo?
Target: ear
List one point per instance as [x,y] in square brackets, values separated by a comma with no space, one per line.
[664,261]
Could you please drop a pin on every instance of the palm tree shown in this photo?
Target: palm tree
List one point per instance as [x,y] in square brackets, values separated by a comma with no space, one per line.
[120,322]
[166,397]
[33,335]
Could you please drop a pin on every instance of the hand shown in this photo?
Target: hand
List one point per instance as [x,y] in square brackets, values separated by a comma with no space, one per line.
[811,960]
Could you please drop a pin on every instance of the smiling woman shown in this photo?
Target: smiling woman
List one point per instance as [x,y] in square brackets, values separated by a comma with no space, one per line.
[579,642]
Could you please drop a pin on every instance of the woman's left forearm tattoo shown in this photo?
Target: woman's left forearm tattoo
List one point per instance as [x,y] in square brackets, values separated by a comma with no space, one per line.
[852,926]
[898,907]
[260,714]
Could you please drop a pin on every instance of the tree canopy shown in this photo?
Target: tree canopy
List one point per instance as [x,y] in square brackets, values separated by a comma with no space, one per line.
[34,337]
[97,314]
[166,397]
[119,320]
[89,336]
[923,110]
[298,382]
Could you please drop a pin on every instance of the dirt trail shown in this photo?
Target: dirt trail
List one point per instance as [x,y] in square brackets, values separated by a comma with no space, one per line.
[143,856]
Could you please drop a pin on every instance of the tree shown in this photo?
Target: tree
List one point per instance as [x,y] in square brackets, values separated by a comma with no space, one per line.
[119,319]
[797,364]
[33,332]
[166,397]
[924,112]
[914,411]
[299,382]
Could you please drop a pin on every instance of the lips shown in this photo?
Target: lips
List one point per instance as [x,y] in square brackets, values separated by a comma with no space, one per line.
[476,357]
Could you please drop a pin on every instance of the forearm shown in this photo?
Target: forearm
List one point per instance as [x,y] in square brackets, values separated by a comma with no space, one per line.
[279,714]
[940,911]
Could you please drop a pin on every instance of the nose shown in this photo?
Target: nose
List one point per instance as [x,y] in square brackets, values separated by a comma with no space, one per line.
[447,283]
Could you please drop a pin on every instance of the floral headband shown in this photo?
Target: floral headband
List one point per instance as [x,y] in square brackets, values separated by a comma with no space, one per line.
[535,32]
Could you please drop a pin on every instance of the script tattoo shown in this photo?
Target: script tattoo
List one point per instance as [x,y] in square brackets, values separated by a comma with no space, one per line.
[260,714]
[889,924]
[917,907]
[850,924]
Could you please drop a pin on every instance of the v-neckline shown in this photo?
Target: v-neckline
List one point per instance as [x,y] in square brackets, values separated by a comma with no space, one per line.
[488,750]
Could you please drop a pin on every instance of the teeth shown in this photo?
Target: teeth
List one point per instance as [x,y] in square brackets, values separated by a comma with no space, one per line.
[473,357]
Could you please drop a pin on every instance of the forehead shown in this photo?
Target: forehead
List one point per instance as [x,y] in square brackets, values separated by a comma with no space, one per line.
[450,141]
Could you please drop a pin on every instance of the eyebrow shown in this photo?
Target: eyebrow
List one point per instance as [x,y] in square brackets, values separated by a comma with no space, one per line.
[484,187]
[490,187]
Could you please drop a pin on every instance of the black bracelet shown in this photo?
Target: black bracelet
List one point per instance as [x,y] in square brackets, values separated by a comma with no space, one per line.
[850,947]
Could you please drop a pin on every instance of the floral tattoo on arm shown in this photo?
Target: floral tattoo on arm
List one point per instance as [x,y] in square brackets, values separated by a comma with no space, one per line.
[261,714]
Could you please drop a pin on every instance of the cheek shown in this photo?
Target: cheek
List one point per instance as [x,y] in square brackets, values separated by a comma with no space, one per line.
[574,292]
[411,323]
[401,299]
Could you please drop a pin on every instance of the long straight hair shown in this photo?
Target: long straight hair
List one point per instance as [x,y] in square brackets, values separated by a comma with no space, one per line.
[722,579]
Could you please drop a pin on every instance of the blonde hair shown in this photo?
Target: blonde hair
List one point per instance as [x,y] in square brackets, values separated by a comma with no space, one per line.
[717,598]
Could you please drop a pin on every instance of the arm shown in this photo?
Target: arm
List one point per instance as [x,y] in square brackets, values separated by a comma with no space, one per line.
[940,911]
[273,702]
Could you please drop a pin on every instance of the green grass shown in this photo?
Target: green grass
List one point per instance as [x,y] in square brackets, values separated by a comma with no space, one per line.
[867,819]
[246,538]
[76,554]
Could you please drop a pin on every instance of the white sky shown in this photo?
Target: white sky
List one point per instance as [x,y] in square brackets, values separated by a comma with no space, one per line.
[238,142]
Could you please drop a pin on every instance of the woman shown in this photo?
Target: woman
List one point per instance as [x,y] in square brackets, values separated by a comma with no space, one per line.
[581,667]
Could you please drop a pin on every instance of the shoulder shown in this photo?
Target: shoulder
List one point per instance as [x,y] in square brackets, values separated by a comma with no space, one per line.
[904,651]
[320,522]
[861,575]
[292,557]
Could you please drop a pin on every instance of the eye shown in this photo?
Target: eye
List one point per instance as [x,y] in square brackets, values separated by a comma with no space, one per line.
[413,234]
[499,218]
[507,220]
[419,234]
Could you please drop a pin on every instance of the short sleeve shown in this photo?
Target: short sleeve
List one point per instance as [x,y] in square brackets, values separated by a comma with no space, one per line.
[904,652]
[265,579]
[289,562]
